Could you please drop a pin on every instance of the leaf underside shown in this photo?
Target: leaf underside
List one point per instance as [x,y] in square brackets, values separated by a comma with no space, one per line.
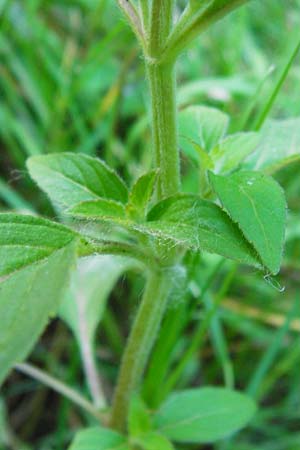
[189,221]
[85,299]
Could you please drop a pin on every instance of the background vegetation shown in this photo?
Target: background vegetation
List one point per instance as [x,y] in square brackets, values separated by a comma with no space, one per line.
[72,79]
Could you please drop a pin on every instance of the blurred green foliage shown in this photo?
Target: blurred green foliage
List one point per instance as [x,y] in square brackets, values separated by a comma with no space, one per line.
[72,79]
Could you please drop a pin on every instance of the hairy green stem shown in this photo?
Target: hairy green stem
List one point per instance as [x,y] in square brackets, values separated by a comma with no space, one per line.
[117,249]
[164,127]
[162,86]
[160,25]
[140,342]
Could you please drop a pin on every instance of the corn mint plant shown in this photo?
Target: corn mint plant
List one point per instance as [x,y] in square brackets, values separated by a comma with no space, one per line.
[239,213]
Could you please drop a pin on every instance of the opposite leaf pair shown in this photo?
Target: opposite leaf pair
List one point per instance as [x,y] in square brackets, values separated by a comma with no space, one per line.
[251,232]
[37,255]
[202,415]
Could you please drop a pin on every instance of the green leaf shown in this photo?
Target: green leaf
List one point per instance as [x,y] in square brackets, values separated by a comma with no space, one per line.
[204,415]
[257,204]
[279,145]
[202,125]
[139,420]
[232,150]
[141,193]
[155,441]
[204,159]
[85,300]
[70,178]
[97,438]
[36,258]
[198,224]
[25,240]
[101,208]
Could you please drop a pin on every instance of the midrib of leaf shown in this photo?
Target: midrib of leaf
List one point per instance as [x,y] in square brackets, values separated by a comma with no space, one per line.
[39,229]
[199,416]
[25,266]
[258,219]
[85,181]
[75,183]
[191,230]
[40,247]
[32,263]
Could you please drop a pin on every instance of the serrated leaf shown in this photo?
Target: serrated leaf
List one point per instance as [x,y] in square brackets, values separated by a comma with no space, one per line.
[139,420]
[257,204]
[101,208]
[97,438]
[141,193]
[204,415]
[85,300]
[202,125]
[198,224]
[279,145]
[70,178]
[231,151]
[155,441]
[25,240]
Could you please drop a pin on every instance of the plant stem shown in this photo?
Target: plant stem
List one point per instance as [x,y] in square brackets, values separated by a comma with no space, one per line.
[164,126]
[117,248]
[59,387]
[161,24]
[140,342]
[162,86]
